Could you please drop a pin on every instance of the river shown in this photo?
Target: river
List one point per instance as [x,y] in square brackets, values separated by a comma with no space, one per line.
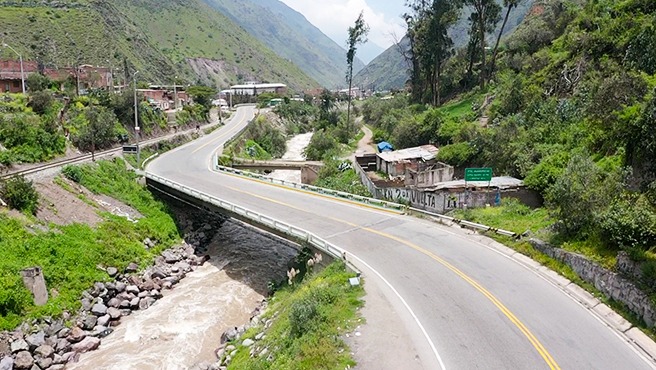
[295,147]
[184,327]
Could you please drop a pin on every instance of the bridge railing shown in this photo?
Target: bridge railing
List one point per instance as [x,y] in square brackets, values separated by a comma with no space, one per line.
[280,226]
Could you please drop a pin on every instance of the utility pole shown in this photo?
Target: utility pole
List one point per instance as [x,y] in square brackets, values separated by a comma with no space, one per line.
[175,94]
[20,57]
[136,115]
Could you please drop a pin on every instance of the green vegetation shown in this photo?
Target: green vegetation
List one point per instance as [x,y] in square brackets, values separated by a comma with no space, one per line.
[390,70]
[69,255]
[294,39]
[341,176]
[20,194]
[28,136]
[261,140]
[308,320]
[128,35]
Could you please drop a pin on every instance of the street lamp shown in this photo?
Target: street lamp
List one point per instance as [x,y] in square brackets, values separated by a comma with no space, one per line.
[136,122]
[20,57]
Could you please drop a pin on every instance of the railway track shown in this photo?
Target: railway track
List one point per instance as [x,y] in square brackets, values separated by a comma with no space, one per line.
[87,157]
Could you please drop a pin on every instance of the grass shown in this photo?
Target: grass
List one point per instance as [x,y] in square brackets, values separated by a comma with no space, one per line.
[461,108]
[69,255]
[308,322]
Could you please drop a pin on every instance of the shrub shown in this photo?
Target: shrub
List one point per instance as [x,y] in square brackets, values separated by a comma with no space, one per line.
[20,194]
[629,222]
[73,173]
[582,192]
[302,315]
[457,154]
[41,101]
[320,145]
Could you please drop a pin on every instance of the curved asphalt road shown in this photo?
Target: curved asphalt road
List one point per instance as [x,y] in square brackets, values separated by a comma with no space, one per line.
[476,307]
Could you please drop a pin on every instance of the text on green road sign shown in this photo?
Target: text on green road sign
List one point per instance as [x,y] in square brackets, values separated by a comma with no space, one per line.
[478,174]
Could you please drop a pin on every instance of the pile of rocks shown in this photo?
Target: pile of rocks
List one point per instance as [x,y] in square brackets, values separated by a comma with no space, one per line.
[49,344]
[232,338]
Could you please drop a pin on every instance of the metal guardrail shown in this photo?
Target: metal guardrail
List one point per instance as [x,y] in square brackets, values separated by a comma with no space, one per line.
[316,189]
[287,229]
[365,200]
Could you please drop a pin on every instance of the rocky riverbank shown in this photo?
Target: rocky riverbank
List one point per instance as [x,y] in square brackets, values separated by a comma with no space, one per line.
[52,344]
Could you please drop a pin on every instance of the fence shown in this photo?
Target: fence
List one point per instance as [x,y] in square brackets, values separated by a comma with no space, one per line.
[282,227]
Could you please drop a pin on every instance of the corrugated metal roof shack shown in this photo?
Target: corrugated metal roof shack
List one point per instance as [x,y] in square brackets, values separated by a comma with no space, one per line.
[416,159]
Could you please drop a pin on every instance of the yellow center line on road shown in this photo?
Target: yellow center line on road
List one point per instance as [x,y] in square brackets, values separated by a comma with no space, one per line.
[221,136]
[542,351]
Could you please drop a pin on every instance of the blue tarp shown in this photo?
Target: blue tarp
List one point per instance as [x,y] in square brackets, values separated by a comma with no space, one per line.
[384,146]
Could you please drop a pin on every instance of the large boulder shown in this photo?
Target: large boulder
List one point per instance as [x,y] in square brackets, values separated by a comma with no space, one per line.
[104,320]
[7,363]
[229,335]
[85,345]
[76,335]
[44,350]
[23,360]
[133,267]
[19,345]
[44,362]
[89,322]
[114,313]
[36,339]
[146,302]
[99,309]
[112,271]
[170,257]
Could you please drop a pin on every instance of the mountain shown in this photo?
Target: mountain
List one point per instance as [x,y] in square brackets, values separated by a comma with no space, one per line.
[162,39]
[291,36]
[390,70]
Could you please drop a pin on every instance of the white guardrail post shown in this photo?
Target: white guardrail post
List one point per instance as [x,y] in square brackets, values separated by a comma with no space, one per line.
[287,229]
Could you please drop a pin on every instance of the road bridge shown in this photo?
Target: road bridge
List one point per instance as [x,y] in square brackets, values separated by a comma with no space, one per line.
[439,298]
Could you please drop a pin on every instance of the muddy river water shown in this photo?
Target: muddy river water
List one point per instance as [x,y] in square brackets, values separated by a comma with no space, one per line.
[184,328]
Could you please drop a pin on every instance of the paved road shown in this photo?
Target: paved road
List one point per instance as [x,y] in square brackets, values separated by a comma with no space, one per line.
[461,304]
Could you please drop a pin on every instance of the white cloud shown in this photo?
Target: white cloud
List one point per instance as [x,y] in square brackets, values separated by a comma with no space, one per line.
[334,17]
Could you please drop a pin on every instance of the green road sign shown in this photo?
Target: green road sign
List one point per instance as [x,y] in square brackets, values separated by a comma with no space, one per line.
[478,174]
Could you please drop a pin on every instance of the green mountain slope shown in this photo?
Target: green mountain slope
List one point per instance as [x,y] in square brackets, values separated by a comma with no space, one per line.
[291,36]
[161,39]
[390,70]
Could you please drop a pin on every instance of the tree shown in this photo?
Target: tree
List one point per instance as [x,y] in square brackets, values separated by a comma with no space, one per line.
[357,35]
[37,82]
[485,16]
[202,95]
[99,132]
[432,45]
[509,4]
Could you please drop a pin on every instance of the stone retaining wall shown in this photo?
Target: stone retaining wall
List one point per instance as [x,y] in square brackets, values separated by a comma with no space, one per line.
[610,283]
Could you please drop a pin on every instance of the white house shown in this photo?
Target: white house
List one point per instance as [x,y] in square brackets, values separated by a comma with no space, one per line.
[257,89]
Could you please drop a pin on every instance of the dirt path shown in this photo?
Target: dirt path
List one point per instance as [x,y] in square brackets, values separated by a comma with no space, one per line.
[365,145]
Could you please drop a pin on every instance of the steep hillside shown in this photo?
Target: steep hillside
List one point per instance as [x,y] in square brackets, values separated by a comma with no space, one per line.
[390,70]
[291,36]
[159,38]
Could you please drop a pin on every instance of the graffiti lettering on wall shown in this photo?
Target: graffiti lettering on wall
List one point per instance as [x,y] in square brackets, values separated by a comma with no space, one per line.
[414,197]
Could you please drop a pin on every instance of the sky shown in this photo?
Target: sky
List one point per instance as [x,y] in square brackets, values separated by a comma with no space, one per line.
[334,17]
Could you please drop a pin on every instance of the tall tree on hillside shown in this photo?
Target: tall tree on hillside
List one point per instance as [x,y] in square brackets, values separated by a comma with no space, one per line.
[485,15]
[357,35]
[510,5]
[433,45]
